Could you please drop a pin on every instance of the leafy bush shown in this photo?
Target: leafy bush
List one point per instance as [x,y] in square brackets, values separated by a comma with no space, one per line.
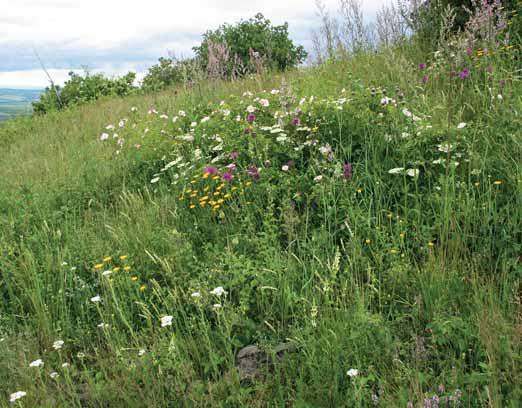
[80,89]
[170,71]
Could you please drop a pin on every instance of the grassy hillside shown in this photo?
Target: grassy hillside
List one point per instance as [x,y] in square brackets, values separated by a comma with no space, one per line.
[14,102]
[363,213]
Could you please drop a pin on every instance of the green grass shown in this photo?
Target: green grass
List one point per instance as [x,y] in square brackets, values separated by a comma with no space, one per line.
[412,280]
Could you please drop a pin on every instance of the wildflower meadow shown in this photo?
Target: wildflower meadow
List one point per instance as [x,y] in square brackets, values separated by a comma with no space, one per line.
[365,213]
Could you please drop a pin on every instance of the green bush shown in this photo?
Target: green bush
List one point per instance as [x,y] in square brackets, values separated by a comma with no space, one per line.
[80,89]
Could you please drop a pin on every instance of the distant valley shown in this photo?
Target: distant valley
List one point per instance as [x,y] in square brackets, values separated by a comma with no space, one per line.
[15,102]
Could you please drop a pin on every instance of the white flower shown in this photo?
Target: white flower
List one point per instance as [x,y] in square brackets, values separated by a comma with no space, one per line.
[141,352]
[104,136]
[275,91]
[134,109]
[264,102]
[250,109]
[318,178]
[103,326]
[122,123]
[36,363]
[154,180]
[196,295]
[17,395]
[461,125]
[219,291]
[107,273]
[386,101]
[182,113]
[80,355]
[166,321]
[285,168]
[238,118]
[396,170]
[216,306]
[193,124]
[54,375]
[109,127]
[412,172]
[325,150]
[499,97]
[352,372]
[57,345]
[65,365]
[226,113]
[96,299]
[247,93]
[446,147]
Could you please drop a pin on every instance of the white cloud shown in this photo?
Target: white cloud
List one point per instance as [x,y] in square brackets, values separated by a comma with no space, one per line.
[71,33]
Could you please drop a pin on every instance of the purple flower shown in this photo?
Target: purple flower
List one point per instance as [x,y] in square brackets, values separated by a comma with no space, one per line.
[464,74]
[421,66]
[211,170]
[424,80]
[251,117]
[347,171]
[228,177]
[233,155]
[253,172]
[296,121]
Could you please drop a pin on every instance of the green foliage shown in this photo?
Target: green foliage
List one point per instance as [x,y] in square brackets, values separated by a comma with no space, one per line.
[169,72]
[80,89]
[256,36]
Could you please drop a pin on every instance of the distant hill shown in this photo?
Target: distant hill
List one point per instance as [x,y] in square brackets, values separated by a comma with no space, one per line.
[15,102]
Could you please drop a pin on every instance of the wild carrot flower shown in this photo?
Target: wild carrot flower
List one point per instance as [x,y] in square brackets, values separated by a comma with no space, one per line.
[96,299]
[17,395]
[57,345]
[36,363]
[352,372]
[166,321]
[219,291]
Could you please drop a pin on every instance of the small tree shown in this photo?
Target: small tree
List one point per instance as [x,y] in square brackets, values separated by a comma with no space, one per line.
[247,42]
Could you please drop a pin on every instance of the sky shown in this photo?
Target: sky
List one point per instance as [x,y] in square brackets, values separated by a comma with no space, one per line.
[117,36]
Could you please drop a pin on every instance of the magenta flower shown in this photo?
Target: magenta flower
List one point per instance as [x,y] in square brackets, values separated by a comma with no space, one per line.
[251,118]
[211,170]
[227,177]
[347,171]
[464,74]
[421,66]
[296,121]
[253,172]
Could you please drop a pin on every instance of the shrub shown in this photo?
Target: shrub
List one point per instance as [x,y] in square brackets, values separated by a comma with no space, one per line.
[80,89]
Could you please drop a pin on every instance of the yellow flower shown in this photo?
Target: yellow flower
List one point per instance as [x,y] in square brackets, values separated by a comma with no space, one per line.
[402,235]
[142,288]
[221,201]
[216,193]
[227,195]
[127,268]
[359,190]
[107,259]
[497,182]
[123,257]
[193,195]
[206,189]
[477,184]
[216,207]
[368,241]
[204,198]
[205,176]
[116,269]
[215,178]
[134,278]
[248,183]
[431,244]
[234,188]
[98,266]
[189,191]
[191,206]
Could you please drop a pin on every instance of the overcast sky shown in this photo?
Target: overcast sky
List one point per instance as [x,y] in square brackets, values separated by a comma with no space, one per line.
[115,36]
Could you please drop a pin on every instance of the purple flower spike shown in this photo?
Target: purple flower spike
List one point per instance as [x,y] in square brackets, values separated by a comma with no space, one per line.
[464,74]
[227,177]
[211,170]
[347,171]
[251,118]
[421,66]
[253,172]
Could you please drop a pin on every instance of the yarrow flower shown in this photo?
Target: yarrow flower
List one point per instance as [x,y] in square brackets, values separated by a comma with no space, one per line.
[317,179]
[96,299]
[396,170]
[166,321]
[196,295]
